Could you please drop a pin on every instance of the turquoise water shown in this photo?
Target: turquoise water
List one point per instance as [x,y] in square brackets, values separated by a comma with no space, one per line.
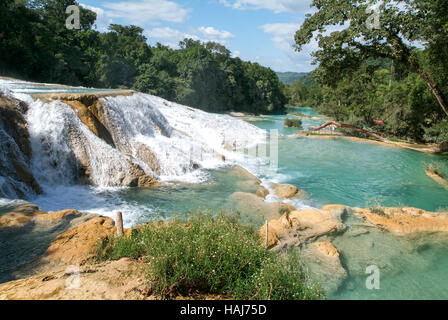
[353,173]
[333,170]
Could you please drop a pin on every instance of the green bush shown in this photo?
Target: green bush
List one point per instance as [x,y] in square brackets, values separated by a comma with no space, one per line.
[212,255]
[375,206]
[293,123]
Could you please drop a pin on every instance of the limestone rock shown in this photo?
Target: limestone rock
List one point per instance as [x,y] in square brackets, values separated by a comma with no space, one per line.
[146,181]
[90,119]
[408,220]
[285,191]
[114,280]
[322,259]
[437,178]
[78,245]
[242,173]
[15,151]
[254,206]
[331,207]
[327,248]
[262,192]
[19,214]
[301,225]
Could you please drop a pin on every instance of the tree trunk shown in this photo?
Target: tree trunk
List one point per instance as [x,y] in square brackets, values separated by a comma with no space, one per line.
[430,82]
[434,89]
[343,125]
[410,58]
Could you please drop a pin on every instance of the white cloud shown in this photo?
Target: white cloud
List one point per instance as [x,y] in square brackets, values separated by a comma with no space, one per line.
[168,36]
[278,6]
[171,37]
[283,39]
[103,20]
[147,12]
[212,33]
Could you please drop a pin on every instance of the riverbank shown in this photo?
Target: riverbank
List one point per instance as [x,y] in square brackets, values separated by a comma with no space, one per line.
[87,261]
[426,148]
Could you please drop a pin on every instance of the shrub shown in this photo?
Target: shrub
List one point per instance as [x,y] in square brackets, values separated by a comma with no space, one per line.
[293,123]
[375,206]
[284,210]
[212,255]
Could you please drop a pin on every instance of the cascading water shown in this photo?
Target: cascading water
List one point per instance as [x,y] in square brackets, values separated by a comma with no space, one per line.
[163,140]
[180,138]
[9,186]
[61,142]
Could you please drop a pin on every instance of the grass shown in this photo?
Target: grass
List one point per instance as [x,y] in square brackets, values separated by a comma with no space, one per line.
[202,254]
[284,210]
[293,123]
[375,206]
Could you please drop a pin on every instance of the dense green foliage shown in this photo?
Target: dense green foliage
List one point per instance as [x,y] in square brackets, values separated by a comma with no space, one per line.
[293,123]
[210,255]
[36,45]
[367,74]
[289,77]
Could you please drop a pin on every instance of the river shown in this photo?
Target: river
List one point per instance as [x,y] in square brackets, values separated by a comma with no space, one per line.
[335,170]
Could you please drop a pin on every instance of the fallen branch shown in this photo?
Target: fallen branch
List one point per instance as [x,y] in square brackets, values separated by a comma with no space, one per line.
[343,125]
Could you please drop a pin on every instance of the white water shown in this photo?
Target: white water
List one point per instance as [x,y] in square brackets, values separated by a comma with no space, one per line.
[184,142]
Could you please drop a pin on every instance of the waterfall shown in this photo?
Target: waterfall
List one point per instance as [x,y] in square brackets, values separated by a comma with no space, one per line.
[61,143]
[10,152]
[151,137]
[182,139]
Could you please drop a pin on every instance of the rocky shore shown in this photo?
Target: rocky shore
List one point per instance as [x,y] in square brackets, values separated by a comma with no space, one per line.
[76,237]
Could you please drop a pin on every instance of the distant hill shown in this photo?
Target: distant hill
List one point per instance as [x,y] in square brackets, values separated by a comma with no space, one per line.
[290,77]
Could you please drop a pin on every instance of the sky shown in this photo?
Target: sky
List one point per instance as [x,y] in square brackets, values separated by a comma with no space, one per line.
[255,30]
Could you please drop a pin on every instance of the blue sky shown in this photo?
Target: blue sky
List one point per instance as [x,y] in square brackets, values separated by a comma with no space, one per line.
[255,30]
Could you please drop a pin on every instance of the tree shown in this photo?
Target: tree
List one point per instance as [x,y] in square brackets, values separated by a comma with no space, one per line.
[400,28]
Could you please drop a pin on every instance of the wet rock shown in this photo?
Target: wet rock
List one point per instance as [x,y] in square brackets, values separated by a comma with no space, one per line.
[285,191]
[15,151]
[404,221]
[262,192]
[303,225]
[78,245]
[90,115]
[255,207]
[322,260]
[241,173]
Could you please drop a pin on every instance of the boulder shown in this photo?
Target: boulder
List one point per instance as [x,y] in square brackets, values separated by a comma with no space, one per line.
[79,244]
[322,260]
[285,191]
[299,226]
[255,208]
[262,192]
[243,174]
